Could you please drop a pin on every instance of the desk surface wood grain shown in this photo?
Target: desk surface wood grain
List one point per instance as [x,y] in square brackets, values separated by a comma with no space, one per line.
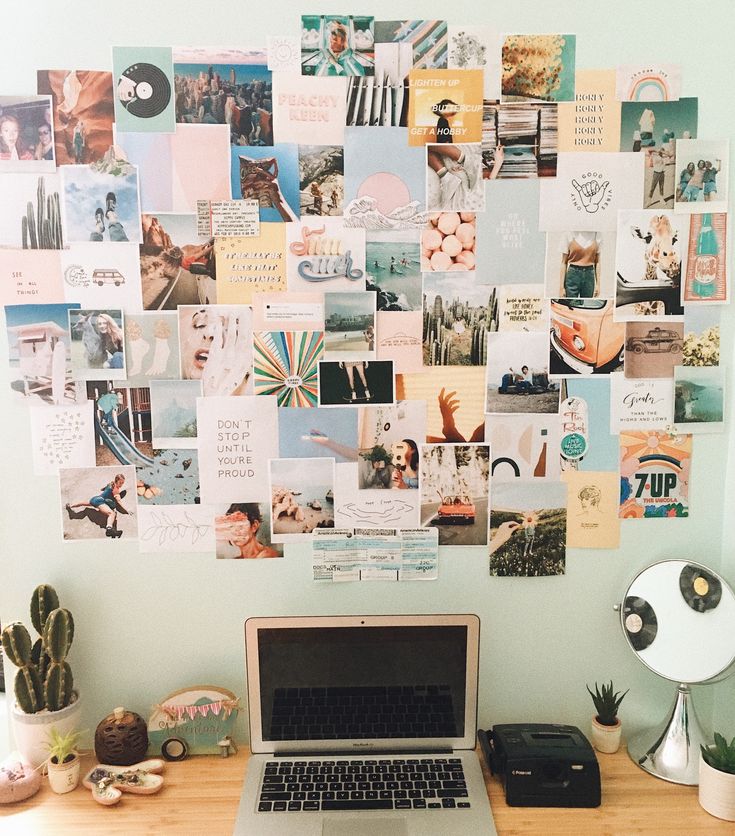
[200,796]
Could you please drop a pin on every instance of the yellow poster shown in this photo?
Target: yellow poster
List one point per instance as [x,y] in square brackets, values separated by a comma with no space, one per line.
[251,265]
[592,509]
[445,106]
[592,121]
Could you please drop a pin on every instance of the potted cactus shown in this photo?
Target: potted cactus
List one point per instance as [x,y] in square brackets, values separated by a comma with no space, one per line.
[606,725]
[43,686]
[717,778]
[63,760]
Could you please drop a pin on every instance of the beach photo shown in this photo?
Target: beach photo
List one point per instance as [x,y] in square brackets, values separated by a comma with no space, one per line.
[349,320]
[39,353]
[302,497]
[393,269]
[699,398]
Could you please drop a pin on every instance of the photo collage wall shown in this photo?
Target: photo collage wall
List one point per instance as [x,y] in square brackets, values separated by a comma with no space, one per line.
[389,286]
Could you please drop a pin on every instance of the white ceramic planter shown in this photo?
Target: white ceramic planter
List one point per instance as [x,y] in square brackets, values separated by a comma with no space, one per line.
[31,730]
[716,791]
[64,777]
[606,738]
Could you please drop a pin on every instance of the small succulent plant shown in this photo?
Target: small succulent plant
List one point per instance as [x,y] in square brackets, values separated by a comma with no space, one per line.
[44,679]
[607,702]
[62,745]
[720,755]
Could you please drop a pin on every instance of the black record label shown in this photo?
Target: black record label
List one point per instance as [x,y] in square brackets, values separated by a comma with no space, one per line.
[640,622]
[144,90]
[700,589]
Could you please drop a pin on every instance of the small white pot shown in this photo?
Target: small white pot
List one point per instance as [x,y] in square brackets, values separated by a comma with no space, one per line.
[606,738]
[716,791]
[64,777]
[31,730]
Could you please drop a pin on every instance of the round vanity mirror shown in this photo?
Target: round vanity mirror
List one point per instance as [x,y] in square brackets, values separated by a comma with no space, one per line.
[678,617]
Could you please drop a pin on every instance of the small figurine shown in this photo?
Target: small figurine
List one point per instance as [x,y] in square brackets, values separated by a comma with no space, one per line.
[109,782]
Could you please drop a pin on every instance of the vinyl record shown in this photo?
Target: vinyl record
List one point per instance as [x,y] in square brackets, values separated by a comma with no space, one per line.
[641,624]
[699,588]
[144,90]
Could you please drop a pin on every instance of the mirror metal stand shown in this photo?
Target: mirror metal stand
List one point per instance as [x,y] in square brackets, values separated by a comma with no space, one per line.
[671,750]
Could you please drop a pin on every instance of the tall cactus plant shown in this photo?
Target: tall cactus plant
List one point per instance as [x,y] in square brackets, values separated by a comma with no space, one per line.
[44,679]
[41,228]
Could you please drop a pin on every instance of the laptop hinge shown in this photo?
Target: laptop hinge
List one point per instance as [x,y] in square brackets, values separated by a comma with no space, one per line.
[308,753]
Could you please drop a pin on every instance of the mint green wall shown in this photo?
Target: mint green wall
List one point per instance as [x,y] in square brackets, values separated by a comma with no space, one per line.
[150,624]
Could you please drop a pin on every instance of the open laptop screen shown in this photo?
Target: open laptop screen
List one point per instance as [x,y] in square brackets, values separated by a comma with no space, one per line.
[362,682]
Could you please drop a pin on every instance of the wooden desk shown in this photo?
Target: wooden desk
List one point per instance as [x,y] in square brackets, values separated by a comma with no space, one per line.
[201,794]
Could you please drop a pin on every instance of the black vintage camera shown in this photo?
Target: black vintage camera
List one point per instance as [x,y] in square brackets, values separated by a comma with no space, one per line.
[543,765]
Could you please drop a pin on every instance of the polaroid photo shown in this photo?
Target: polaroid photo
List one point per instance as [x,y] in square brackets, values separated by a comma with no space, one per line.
[174,413]
[97,344]
[703,172]
[26,135]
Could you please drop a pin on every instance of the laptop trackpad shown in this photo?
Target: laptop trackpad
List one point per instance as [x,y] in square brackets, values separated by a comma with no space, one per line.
[364,827]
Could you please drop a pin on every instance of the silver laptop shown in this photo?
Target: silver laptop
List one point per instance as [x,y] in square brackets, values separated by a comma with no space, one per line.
[363,725]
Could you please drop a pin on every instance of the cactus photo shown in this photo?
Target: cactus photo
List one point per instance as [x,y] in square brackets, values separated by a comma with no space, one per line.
[457,319]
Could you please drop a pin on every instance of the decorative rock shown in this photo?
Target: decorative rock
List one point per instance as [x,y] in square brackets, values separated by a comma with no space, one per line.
[18,779]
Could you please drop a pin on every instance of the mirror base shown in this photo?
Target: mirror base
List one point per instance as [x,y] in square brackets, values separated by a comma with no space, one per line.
[671,749]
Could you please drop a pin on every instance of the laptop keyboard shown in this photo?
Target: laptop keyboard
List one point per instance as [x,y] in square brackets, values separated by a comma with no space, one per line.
[400,784]
[362,712]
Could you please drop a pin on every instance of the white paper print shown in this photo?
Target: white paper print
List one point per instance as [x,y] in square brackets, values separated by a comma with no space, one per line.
[354,507]
[176,529]
[589,189]
[284,53]
[62,436]
[304,106]
[102,275]
[228,218]
[649,82]
[239,437]
[640,404]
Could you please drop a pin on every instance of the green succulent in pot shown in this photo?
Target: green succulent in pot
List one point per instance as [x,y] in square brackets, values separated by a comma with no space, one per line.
[607,702]
[720,755]
[44,679]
